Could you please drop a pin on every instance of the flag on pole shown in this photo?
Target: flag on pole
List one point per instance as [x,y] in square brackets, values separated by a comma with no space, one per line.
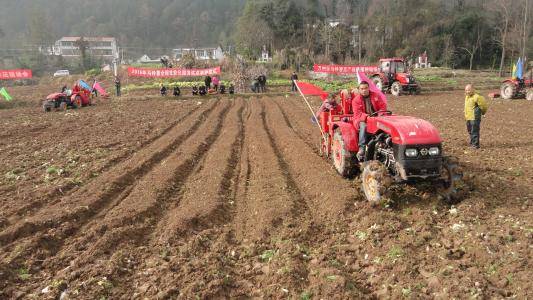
[85,85]
[5,94]
[519,69]
[100,89]
[513,72]
[309,89]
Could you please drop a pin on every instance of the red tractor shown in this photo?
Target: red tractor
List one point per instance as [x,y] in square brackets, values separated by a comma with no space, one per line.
[518,88]
[400,149]
[394,77]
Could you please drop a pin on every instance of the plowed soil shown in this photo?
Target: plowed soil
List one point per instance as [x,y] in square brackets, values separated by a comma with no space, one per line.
[226,197]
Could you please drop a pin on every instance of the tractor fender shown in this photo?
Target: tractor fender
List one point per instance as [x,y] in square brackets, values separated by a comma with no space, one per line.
[349,135]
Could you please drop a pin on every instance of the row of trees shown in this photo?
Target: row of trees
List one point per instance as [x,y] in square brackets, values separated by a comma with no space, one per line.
[460,33]
[455,33]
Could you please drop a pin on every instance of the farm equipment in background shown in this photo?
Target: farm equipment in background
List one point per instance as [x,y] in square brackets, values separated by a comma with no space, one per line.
[394,77]
[78,97]
[515,88]
[56,101]
[400,149]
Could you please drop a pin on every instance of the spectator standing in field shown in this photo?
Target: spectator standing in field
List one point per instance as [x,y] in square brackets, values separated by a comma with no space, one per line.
[294,78]
[117,86]
[475,108]
[207,81]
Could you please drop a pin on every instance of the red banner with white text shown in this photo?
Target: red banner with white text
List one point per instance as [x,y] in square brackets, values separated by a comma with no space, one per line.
[15,74]
[171,72]
[342,69]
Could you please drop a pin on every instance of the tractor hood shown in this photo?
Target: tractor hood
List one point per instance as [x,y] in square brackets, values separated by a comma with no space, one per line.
[407,130]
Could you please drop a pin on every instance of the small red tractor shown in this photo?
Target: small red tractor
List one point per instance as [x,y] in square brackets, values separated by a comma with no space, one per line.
[56,101]
[394,77]
[400,149]
[70,99]
[518,88]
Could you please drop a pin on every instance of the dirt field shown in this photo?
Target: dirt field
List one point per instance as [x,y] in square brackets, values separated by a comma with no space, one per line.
[226,197]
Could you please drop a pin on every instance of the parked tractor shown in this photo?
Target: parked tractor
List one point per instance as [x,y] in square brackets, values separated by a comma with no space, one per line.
[518,88]
[394,77]
[400,149]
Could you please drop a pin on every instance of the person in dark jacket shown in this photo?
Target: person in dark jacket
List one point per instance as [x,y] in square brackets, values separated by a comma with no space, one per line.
[117,85]
[207,81]
[176,92]
[162,90]
[262,83]
[202,91]
[195,90]
[231,89]
[294,78]
[222,88]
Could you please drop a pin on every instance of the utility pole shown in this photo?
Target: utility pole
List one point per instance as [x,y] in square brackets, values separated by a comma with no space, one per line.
[525,31]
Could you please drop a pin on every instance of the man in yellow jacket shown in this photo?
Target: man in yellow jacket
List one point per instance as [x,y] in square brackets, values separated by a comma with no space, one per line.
[475,107]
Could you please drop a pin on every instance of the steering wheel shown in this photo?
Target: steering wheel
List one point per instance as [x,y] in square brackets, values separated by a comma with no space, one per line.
[386,112]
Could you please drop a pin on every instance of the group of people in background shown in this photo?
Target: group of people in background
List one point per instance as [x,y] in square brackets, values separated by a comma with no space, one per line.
[259,84]
[213,85]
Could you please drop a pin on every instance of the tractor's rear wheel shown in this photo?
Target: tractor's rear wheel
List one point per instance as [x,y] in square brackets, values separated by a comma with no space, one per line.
[451,180]
[529,94]
[344,160]
[396,88]
[378,82]
[375,182]
[508,90]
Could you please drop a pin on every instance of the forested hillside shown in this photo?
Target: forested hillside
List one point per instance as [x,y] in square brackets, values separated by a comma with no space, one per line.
[455,33]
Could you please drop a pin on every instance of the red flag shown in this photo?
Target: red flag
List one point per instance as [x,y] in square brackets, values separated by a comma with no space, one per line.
[309,89]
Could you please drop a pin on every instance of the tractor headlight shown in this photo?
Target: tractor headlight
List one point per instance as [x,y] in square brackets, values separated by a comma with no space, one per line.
[434,151]
[411,152]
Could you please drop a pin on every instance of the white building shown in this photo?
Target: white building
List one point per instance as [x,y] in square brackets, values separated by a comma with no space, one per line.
[199,53]
[105,47]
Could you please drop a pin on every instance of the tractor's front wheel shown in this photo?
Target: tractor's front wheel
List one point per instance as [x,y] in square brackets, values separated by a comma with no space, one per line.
[343,159]
[451,180]
[508,90]
[375,182]
[396,88]
[529,95]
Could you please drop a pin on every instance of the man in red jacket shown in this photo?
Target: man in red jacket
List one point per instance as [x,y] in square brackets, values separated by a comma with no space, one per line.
[364,104]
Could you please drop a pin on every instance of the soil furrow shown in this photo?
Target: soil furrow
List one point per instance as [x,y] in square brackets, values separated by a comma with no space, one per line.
[107,187]
[205,203]
[205,197]
[311,174]
[131,219]
[36,204]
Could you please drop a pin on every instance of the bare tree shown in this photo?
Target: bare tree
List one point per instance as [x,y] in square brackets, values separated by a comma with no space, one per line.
[503,17]
[475,45]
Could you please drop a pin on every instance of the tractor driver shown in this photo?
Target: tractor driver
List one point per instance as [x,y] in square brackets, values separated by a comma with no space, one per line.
[364,104]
